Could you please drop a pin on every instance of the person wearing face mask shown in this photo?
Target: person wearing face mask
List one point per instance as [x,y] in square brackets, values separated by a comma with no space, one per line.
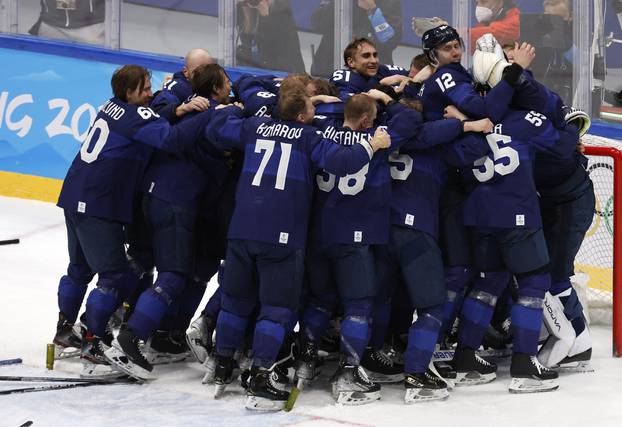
[499,17]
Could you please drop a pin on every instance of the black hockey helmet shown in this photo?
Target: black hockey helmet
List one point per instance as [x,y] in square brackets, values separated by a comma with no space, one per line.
[436,37]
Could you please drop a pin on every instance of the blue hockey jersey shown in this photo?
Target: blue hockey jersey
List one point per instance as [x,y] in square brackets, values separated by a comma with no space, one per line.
[452,84]
[533,95]
[273,197]
[183,178]
[419,171]
[109,167]
[356,208]
[259,94]
[174,92]
[503,191]
[350,82]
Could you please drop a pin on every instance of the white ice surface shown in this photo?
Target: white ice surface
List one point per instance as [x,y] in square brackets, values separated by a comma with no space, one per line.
[29,274]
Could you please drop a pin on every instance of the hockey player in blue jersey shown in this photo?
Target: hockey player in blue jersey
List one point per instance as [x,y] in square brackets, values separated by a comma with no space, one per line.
[503,212]
[267,236]
[177,187]
[490,66]
[97,197]
[363,71]
[567,203]
[412,258]
[351,216]
[170,102]
[451,84]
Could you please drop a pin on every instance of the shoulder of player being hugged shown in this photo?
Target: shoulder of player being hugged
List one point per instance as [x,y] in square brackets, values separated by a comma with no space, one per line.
[137,117]
[343,77]
[531,122]
[387,70]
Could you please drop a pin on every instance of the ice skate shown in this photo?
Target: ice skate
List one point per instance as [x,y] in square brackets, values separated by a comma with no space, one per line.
[200,337]
[529,376]
[381,368]
[426,386]
[210,369]
[351,386]
[265,392]
[472,369]
[166,347]
[94,362]
[223,374]
[307,365]
[126,355]
[448,374]
[68,339]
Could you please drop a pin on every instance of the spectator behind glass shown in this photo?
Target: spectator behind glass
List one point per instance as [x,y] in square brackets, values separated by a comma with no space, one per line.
[499,17]
[377,20]
[268,36]
[76,20]
[559,65]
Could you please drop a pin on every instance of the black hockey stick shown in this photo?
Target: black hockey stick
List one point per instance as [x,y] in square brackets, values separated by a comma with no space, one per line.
[21,378]
[47,388]
[9,242]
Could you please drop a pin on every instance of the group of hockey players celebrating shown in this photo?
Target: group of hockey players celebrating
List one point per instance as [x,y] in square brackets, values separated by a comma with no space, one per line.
[374,218]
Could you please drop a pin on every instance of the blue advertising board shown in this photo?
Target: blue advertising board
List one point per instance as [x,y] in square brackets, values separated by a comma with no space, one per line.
[47,104]
[50,92]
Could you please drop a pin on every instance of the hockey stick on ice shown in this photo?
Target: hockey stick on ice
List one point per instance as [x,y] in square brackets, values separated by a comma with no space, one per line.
[10,362]
[9,242]
[21,378]
[47,388]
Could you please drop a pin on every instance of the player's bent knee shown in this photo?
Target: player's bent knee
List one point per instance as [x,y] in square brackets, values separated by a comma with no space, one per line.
[240,306]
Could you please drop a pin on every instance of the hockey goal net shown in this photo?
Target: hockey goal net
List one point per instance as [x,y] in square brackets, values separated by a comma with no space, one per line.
[596,274]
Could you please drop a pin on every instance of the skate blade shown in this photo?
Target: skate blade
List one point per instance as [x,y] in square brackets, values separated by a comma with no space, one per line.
[352,398]
[576,367]
[157,358]
[120,361]
[419,395]
[98,371]
[465,379]
[255,403]
[384,378]
[61,353]
[529,385]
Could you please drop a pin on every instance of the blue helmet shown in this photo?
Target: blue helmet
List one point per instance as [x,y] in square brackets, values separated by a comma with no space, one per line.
[436,37]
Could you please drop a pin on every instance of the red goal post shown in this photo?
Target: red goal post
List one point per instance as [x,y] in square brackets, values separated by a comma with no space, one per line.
[599,256]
